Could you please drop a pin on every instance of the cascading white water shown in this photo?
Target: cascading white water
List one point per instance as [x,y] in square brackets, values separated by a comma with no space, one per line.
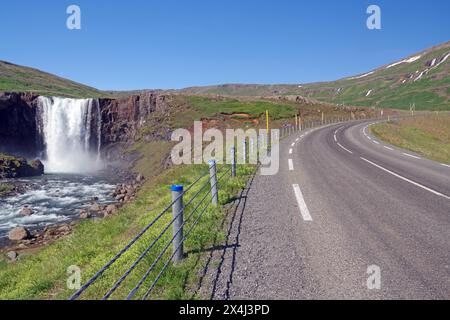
[66,128]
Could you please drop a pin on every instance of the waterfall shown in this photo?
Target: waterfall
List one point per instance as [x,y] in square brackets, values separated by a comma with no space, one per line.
[67,127]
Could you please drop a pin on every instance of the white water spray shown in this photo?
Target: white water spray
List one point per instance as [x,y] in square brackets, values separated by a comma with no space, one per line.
[67,129]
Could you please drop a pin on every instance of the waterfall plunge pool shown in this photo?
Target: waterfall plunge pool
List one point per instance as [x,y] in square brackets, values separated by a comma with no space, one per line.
[54,199]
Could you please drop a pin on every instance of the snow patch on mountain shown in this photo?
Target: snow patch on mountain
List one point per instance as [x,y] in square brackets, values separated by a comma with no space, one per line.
[420,75]
[442,61]
[362,76]
[433,62]
[410,60]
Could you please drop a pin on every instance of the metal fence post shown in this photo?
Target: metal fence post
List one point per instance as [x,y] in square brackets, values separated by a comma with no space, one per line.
[233,162]
[177,211]
[213,180]
[244,149]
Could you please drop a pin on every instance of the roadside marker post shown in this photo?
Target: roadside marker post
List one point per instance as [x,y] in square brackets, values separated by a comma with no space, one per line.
[177,212]
[213,180]
[244,150]
[233,162]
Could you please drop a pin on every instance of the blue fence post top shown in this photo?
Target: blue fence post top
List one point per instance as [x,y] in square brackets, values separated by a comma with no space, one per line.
[177,188]
[211,162]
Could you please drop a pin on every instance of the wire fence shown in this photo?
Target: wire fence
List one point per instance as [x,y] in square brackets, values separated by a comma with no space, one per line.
[201,200]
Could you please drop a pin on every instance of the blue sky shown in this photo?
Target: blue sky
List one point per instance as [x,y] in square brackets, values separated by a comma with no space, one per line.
[138,44]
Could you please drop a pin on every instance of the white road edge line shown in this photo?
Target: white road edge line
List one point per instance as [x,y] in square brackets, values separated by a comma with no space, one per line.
[410,155]
[301,203]
[406,179]
[290,151]
[335,138]
[291,165]
[389,148]
[445,165]
[340,145]
[374,141]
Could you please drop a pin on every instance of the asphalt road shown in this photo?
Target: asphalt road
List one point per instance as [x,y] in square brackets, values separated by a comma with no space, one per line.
[348,203]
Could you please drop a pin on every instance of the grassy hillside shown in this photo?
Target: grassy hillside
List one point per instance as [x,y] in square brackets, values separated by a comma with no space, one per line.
[246,112]
[429,135]
[17,78]
[423,79]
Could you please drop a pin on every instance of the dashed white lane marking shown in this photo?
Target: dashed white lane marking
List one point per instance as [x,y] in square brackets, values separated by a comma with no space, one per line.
[340,145]
[410,155]
[445,165]
[389,148]
[296,140]
[374,141]
[290,151]
[406,179]
[301,203]
[291,165]
[293,144]
[302,136]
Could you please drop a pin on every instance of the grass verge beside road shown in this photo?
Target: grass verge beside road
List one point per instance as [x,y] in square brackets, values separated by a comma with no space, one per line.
[426,135]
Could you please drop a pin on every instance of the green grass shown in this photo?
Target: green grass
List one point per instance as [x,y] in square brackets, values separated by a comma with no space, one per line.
[425,135]
[42,275]
[206,107]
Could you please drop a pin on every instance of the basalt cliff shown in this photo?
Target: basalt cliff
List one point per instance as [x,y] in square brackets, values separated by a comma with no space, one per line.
[121,119]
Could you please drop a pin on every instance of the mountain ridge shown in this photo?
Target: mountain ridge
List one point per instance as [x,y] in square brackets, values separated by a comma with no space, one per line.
[421,79]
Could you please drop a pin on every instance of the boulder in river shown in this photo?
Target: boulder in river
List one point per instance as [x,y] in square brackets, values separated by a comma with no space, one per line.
[26,212]
[19,234]
[110,210]
[38,167]
[85,214]
[120,197]
[95,207]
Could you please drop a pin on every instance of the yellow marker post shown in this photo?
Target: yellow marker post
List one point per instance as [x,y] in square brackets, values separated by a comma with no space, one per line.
[268,138]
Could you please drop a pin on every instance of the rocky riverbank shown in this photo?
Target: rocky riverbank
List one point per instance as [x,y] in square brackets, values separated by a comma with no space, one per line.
[14,167]
[21,240]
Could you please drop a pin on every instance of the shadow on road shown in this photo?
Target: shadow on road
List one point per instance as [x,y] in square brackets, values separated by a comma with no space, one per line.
[224,255]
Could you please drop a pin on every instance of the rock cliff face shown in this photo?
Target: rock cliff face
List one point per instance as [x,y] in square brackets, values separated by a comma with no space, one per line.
[18,132]
[121,120]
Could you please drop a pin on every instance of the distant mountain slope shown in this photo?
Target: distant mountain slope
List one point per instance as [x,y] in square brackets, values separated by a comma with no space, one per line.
[23,79]
[422,79]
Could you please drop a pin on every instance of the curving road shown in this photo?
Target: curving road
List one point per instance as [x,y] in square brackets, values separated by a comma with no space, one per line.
[342,204]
